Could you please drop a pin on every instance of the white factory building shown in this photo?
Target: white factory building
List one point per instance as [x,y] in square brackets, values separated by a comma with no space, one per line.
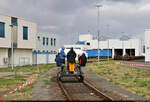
[46,48]
[147,45]
[110,47]
[22,33]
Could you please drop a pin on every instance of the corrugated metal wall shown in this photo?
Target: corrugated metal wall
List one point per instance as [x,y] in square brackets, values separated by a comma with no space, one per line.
[103,53]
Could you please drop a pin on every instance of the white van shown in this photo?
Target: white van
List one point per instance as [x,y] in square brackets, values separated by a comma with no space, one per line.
[78,50]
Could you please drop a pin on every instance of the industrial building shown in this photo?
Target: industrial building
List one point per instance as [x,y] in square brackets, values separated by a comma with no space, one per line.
[110,47]
[22,35]
[46,48]
[147,45]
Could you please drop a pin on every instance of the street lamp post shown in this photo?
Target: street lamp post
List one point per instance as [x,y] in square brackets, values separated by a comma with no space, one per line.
[98,31]
[122,45]
[108,42]
[108,51]
[12,48]
[130,45]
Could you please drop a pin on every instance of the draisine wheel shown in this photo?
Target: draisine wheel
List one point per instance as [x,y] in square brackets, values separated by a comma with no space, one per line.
[81,78]
[59,76]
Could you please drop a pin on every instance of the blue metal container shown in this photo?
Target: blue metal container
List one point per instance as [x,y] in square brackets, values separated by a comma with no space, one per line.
[94,53]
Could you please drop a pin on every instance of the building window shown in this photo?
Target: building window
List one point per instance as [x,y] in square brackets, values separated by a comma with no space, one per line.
[38,37]
[25,33]
[47,41]
[55,52]
[2,29]
[51,41]
[54,42]
[51,52]
[143,49]
[47,52]
[14,21]
[43,40]
[88,43]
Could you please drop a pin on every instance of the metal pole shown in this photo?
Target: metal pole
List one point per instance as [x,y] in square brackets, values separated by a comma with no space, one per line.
[131,46]
[141,48]
[98,31]
[108,44]
[12,48]
[123,47]
[122,51]
[108,49]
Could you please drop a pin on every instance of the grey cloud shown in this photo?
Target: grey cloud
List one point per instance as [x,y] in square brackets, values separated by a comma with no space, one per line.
[128,1]
[70,17]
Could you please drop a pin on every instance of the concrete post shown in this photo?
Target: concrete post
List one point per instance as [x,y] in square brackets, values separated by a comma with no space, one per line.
[123,47]
[147,45]
[124,51]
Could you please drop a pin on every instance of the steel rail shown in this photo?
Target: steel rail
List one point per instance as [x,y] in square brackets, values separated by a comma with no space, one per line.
[69,98]
[87,84]
[99,93]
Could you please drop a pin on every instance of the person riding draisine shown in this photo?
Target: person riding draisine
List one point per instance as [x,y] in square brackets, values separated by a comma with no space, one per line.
[71,55]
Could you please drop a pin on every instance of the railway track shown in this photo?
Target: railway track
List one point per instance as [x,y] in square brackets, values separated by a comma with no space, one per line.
[81,91]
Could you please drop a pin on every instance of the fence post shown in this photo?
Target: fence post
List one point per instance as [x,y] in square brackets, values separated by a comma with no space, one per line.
[0,98]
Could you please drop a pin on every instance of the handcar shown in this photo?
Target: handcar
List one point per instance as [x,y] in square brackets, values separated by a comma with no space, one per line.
[66,72]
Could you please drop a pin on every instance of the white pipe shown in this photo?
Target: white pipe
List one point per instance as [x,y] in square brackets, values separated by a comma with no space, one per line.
[12,48]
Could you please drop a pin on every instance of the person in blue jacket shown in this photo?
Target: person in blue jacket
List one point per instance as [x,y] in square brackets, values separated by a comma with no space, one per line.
[63,55]
[58,60]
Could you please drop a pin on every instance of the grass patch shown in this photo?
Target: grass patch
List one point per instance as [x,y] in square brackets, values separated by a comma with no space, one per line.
[19,69]
[24,94]
[42,68]
[132,79]
[92,59]
[96,59]
[12,81]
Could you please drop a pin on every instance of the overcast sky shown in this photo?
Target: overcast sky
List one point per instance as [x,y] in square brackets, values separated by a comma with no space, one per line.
[67,18]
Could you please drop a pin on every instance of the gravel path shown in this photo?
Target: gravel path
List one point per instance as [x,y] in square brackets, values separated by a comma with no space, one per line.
[39,93]
[51,93]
